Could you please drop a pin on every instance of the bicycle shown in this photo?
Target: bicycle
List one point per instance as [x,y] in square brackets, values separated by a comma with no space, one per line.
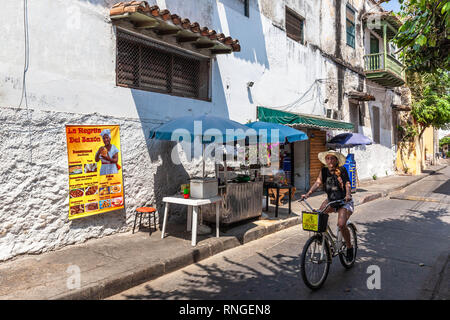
[323,246]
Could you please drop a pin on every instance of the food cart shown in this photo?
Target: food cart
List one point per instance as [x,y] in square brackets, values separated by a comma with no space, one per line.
[239,184]
[244,186]
[241,187]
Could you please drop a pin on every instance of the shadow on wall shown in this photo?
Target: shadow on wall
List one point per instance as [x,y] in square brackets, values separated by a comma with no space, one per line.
[115,220]
[168,176]
[248,30]
[154,109]
[163,107]
[149,106]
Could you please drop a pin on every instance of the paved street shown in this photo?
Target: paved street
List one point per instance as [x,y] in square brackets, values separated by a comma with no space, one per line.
[406,239]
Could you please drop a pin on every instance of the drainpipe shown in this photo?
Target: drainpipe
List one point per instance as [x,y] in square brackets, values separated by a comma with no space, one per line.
[385,45]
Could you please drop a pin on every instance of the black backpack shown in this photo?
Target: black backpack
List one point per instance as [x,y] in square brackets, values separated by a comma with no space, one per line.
[333,189]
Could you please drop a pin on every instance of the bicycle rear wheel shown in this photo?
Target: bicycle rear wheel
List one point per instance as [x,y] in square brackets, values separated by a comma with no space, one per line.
[315,262]
[342,254]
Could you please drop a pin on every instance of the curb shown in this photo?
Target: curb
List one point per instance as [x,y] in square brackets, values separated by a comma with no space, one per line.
[124,281]
[118,283]
[369,198]
[416,198]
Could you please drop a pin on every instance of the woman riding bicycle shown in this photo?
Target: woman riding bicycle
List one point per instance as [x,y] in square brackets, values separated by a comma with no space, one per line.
[337,186]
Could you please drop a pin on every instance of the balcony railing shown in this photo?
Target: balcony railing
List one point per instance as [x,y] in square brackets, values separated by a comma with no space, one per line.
[395,66]
[375,64]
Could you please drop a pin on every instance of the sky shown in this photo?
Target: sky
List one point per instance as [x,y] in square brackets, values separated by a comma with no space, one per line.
[392,5]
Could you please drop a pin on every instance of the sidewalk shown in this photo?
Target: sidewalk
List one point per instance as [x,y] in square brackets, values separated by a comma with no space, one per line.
[115,263]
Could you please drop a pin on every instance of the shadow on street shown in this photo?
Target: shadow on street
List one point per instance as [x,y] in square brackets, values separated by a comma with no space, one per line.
[404,248]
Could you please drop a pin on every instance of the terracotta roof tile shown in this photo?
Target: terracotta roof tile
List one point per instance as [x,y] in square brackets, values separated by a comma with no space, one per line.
[228,40]
[236,46]
[175,19]
[195,27]
[131,6]
[185,23]
[204,31]
[212,34]
[154,10]
[165,15]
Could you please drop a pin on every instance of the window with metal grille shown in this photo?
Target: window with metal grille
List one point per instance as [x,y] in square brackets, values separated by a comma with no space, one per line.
[350,26]
[294,26]
[147,65]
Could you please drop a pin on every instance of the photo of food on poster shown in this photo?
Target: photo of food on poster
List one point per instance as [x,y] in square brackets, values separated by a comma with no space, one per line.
[95,169]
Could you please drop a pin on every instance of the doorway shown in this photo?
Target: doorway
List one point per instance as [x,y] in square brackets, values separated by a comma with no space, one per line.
[374,44]
[301,165]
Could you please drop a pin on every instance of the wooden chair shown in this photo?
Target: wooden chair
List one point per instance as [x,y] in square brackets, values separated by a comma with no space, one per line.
[283,193]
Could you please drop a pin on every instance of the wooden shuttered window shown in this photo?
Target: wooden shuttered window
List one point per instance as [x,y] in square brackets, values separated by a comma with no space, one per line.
[147,65]
[350,26]
[294,26]
[182,82]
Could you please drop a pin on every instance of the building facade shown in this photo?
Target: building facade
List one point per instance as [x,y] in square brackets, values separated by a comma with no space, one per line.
[84,62]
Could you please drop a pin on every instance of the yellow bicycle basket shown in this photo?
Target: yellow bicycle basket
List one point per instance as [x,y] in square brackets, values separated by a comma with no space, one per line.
[314,221]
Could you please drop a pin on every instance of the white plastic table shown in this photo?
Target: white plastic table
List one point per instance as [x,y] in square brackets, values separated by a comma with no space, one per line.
[193,205]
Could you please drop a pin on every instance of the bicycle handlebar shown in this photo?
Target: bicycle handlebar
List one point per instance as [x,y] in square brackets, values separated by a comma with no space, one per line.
[342,201]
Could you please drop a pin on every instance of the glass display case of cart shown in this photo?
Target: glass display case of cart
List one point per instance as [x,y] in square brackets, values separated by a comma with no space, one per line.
[280,171]
[241,189]
[240,167]
[238,173]
[275,176]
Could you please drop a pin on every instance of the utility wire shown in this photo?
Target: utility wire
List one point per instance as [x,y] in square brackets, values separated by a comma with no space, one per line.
[25,70]
[27,58]
[315,85]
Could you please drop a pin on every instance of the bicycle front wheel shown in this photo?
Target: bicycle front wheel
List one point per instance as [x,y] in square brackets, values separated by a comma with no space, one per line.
[315,262]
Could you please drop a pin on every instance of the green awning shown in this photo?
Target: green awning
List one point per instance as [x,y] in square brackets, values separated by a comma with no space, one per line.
[289,118]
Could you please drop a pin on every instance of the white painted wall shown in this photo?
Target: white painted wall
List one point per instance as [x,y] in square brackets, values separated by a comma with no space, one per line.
[443,133]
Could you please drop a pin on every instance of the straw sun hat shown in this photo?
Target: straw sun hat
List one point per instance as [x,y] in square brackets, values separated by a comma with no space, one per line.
[338,155]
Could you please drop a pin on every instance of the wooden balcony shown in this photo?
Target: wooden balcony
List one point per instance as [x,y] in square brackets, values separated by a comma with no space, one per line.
[384,69]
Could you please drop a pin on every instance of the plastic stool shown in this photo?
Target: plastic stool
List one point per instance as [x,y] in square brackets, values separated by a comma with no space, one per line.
[141,211]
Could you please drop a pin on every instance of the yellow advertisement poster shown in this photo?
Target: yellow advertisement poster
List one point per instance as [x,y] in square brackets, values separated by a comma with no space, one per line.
[95,170]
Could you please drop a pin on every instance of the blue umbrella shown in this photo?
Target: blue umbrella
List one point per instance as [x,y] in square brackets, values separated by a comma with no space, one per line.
[348,140]
[207,127]
[285,134]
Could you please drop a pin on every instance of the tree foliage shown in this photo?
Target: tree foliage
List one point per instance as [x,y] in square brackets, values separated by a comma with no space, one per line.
[424,37]
[431,100]
[444,141]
